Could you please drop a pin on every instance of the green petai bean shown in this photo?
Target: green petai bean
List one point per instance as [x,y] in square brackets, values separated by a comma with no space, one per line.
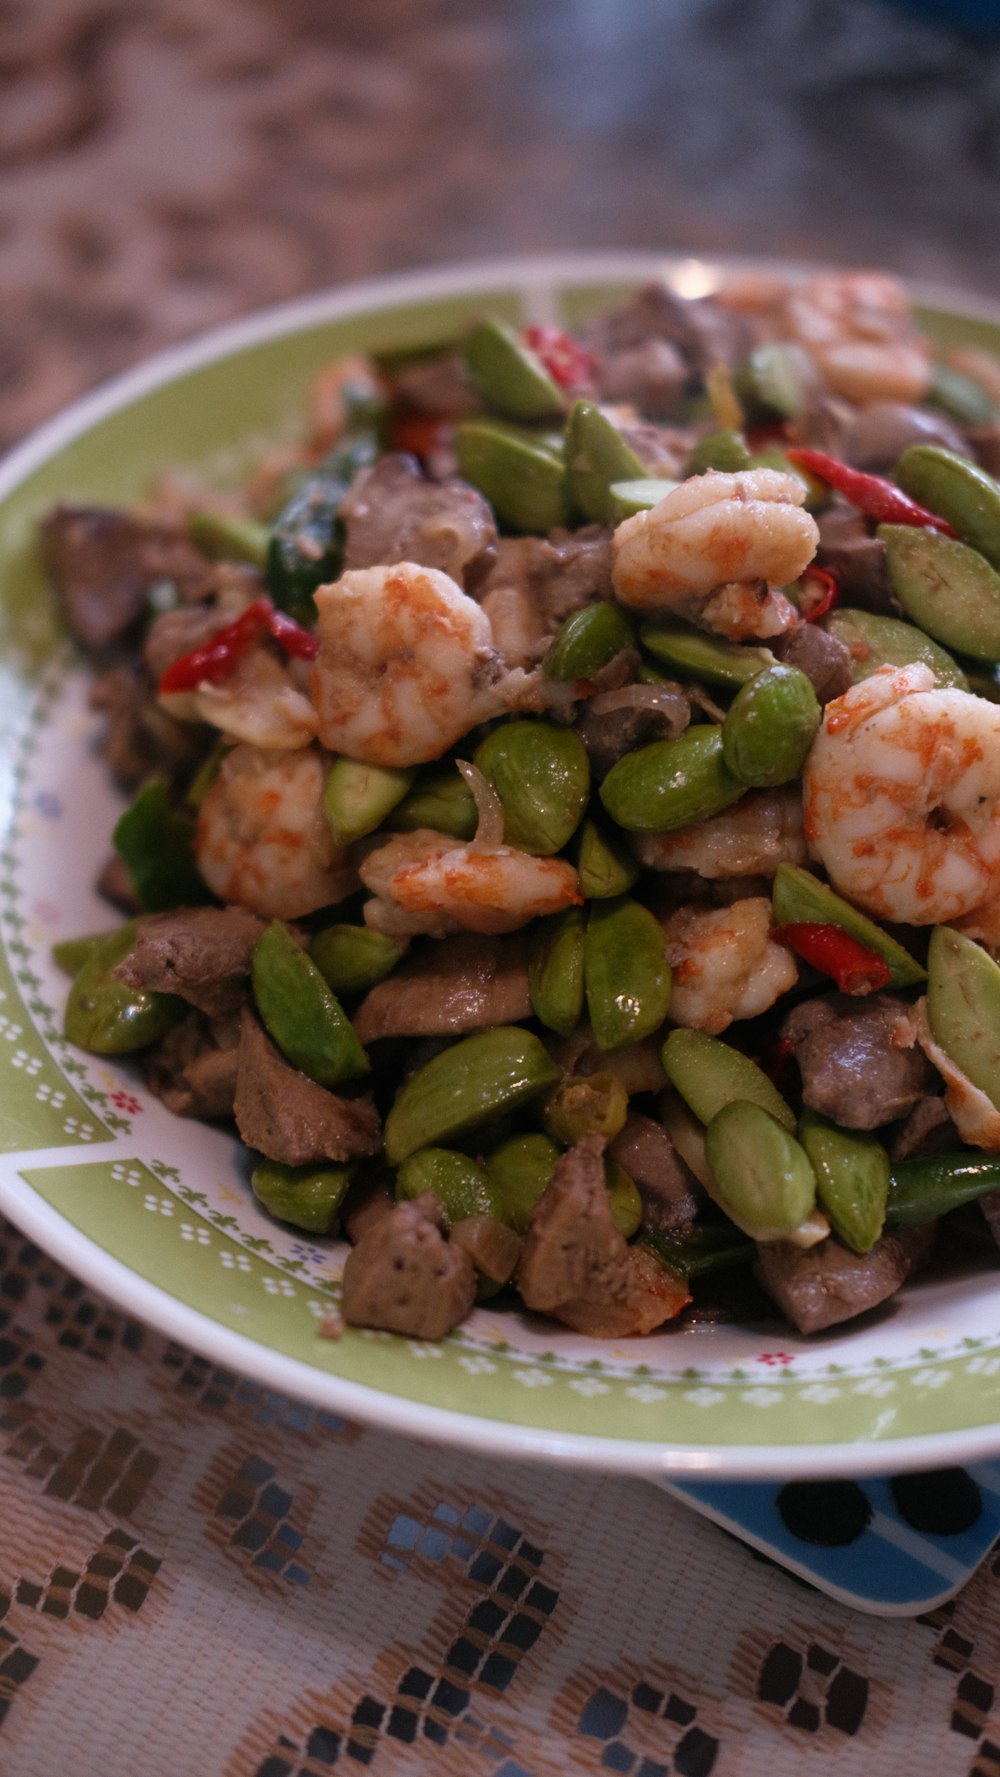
[671,783]
[440,799]
[770,381]
[800,898]
[726,451]
[308,1197]
[105,1016]
[698,656]
[626,974]
[770,726]
[519,1170]
[947,587]
[588,640]
[710,1074]
[460,1183]
[465,1086]
[875,641]
[555,969]
[541,774]
[597,456]
[301,1013]
[852,1178]
[630,497]
[963,1007]
[358,797]
[509,376]
[522,478]
[626,1203]
[583,1103]
[351,959]
[763,1176]
[956,489]
[958,396]
[606,868]
[229,537]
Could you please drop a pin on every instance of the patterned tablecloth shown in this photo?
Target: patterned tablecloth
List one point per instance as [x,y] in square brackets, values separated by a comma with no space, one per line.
[197,1577]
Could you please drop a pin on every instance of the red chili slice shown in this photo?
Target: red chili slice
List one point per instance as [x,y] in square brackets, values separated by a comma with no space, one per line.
[217,658]
[871,494]
[829,594]
[289,635]
[420,434]
[832,951]
[567,363]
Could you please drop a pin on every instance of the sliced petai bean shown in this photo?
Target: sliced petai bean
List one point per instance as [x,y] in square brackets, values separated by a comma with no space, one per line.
[770,381]
[963,1007]
[231,538]
[875,642]
[671,783]
[770,726]
[308,1197]
[587,1102]
[630,497]
[555,969]
[763,1177]
[626,973]
[351,959]
[440,799]
[698,656]
[519,1170]
[957,490]
[357,796]
[709,1074]
[465,1086]
[300,1012]
[522,478]
[852,1178]
[105,1016]
[596,456]
[946,587]
[541,774]
[799,898]
[606,868]
[726,451]
[460,1183]
[509,376]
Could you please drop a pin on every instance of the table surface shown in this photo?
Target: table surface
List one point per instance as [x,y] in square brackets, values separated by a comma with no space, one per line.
[198,1577]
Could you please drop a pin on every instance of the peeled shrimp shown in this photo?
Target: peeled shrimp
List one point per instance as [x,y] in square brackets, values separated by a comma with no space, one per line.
[726,964]
[262,838]
[424,882]
[258,702]
[902,797]
[859,330]
[707,546]
[406,665]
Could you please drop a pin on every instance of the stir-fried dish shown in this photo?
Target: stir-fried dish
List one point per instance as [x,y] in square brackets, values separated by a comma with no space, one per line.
[565,832]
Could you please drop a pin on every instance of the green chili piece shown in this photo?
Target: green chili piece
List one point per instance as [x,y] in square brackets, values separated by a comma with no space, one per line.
[357,797]
[852,1178]
[799,898]
[710,1074]
[522,478]
[770,726]
[671,783]
[105,1016]
[596,456]
[555,969]
[299,1011]
[465,1086]
[225,535]
[963,1007]
[305,547]
[702,1249]
[956,489]
[763,1176]
[509,376]
[922,1190]
[606,868]
[155,843]
[440,799]
[519,1170]
[460,1183]
[583,1103]
[626,498]
[626,1203]
[948,588]
[726,451]
[588,640]
[351,959]
[626,973]
[698,656]
[541,774]
[876,641]
[308,1197]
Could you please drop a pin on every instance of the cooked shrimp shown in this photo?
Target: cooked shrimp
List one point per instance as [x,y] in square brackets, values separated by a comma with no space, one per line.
[859,330]
[902,797]
[763,830]
[717,536]
[259,703]
[424,882]
[262,838]
[974,1115]
[726,964]
[406,665]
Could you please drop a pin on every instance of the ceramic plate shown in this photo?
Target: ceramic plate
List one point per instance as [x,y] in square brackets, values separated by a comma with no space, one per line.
[156,1212]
